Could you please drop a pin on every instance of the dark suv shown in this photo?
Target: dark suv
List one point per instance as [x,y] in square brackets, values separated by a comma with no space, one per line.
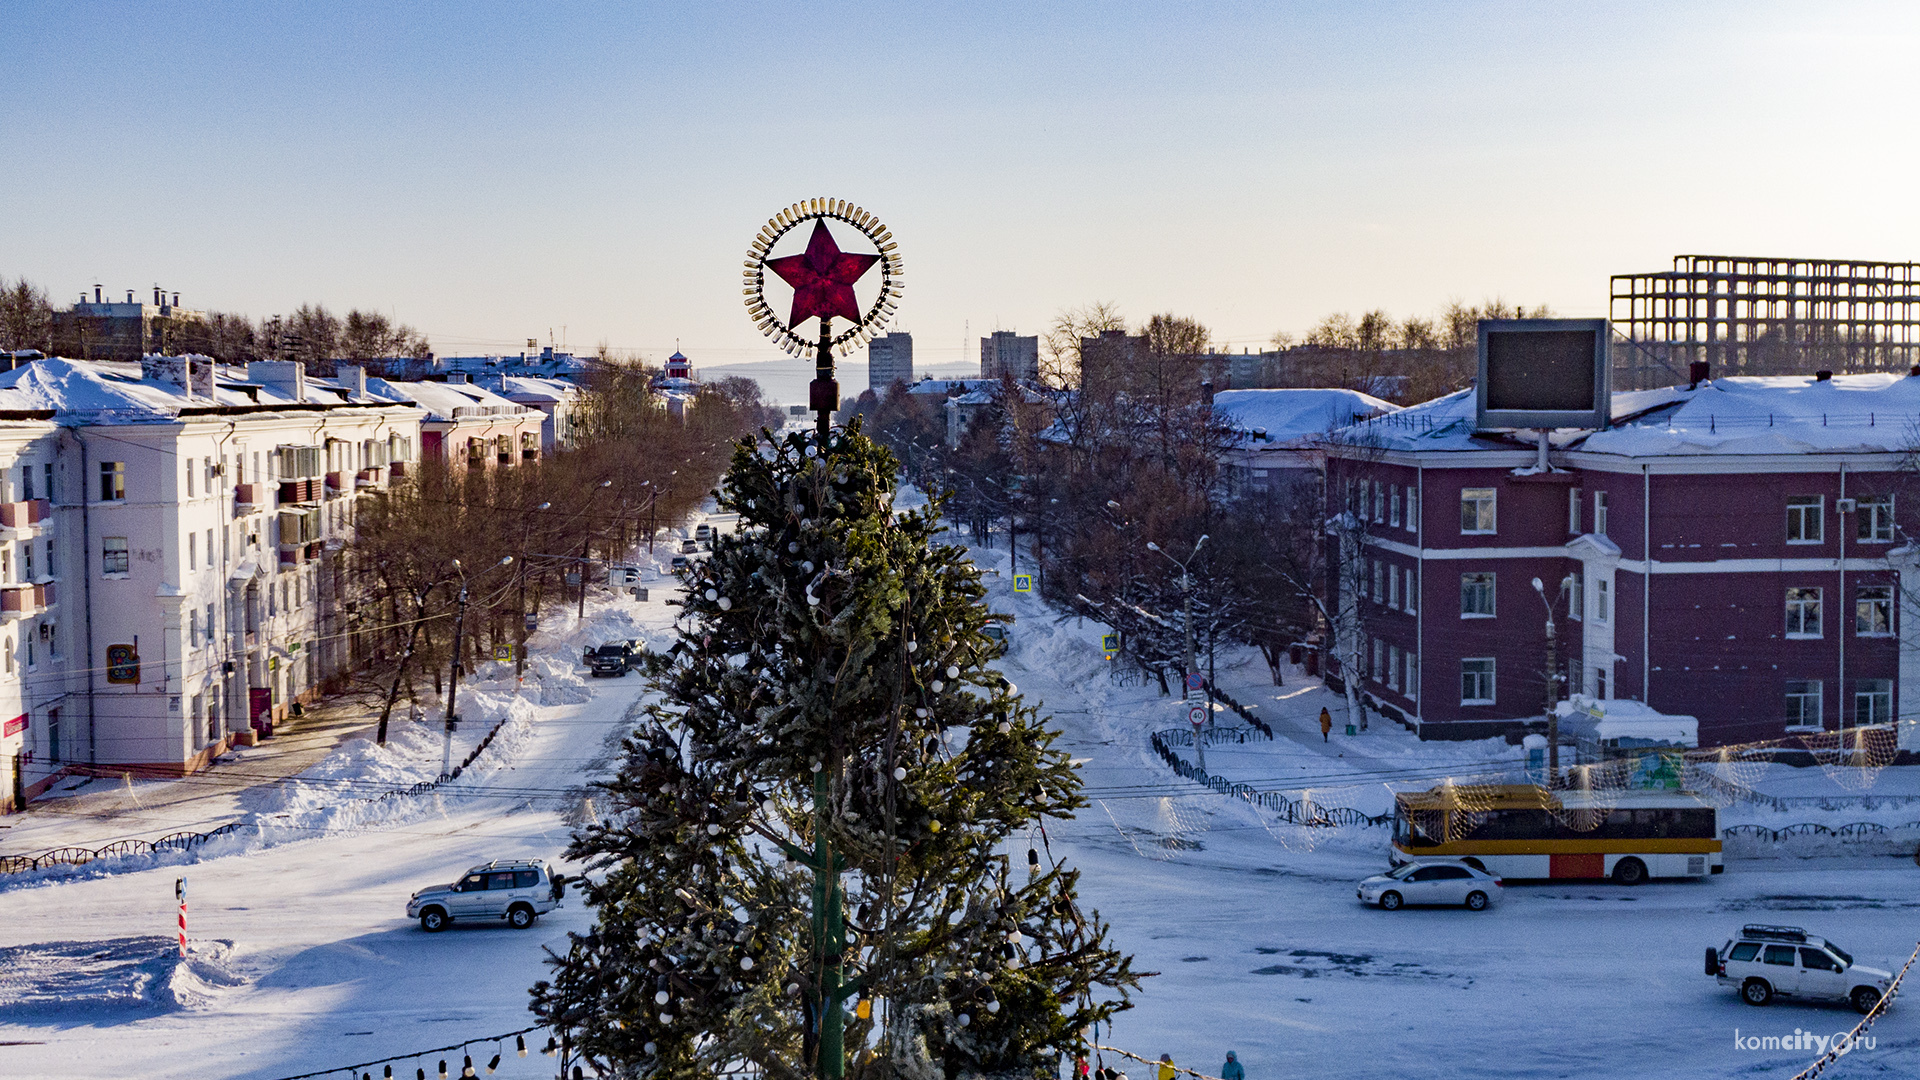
[615,657]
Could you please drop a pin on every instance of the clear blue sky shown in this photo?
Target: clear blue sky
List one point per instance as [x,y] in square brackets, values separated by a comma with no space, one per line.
[486,173]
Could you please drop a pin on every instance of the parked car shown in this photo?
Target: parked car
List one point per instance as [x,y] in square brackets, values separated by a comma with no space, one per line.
[994,631]
[681,562]
[1432,883]
[689,546]
[1766,962]
[515,892]
[616,657]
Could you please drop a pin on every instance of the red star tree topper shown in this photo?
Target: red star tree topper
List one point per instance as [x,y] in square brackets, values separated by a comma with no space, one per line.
[823,278]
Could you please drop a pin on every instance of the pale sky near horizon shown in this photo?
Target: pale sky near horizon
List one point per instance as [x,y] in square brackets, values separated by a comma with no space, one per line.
[490,173]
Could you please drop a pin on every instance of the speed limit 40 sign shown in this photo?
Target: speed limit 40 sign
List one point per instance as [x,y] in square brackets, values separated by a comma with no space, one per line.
[1196,715]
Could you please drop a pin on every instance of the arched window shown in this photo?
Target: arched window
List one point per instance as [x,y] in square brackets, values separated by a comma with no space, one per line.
[9,656]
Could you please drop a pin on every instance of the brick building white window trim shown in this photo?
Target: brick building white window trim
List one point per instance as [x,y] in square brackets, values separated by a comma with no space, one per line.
[1476,595]
[1476,680]
[1477,512]
[1806,519]
[1803,614]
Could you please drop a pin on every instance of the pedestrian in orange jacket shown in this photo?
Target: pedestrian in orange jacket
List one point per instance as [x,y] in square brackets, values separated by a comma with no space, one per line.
[1326,724]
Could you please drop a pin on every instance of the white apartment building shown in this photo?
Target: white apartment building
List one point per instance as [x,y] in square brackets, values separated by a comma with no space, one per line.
[197,514]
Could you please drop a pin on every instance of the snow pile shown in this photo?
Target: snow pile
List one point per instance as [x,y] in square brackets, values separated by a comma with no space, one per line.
[141,975]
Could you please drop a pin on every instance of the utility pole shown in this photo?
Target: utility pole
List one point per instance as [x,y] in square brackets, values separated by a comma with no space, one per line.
[453,682]
[1190,694]
[1553,686]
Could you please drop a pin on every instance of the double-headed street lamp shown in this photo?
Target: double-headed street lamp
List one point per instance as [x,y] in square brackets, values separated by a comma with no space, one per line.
[1553,680]
[1186,604]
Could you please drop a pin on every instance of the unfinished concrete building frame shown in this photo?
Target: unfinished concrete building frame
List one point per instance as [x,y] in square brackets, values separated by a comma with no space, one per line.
[1759,315]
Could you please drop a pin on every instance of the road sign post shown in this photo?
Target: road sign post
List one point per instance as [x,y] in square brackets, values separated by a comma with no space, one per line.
[180,894]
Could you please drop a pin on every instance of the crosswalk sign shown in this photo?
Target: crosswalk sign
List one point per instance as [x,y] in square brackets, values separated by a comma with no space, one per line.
[1110,642]
[1023,583]
[503,652]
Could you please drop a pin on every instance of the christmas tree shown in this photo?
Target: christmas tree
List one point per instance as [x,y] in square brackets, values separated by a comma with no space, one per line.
[824,853]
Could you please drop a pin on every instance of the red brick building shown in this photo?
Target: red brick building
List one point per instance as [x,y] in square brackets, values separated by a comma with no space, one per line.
[1735,551]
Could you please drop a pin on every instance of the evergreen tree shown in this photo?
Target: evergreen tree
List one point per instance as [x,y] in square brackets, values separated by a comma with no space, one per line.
[816,838]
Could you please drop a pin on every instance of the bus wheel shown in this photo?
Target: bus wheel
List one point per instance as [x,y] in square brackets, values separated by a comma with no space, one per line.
[1390,901]
[1756,992]
[1630,872]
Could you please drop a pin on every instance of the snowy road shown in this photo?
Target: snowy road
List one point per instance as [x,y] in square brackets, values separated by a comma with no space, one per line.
[1253,928]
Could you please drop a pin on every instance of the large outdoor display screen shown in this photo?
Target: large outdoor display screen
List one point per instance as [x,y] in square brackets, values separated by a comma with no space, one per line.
[1543,373]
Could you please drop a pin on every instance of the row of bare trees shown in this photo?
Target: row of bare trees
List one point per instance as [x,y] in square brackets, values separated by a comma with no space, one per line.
[311,334]
[532,537]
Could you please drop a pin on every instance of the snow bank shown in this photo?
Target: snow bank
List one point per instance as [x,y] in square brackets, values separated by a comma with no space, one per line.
[99,979]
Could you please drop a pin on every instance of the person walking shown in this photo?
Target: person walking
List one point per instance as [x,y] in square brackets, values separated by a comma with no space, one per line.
[1326,726]
[1232,1070]
[1166,1071]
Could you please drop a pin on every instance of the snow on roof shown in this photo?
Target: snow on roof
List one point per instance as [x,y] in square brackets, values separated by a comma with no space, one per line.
[445,401]
[106,392]
[1778,414]
[1286,416]
[1775,414]
[1625,723]
[533,388]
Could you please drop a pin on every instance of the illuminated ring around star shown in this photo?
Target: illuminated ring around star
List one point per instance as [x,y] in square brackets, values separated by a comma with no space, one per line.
[871,321]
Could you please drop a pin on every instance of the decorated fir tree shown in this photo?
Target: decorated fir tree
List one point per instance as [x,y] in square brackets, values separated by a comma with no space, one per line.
[823,853]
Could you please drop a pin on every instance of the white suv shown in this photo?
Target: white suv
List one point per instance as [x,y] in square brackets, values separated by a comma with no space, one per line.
[1786,961]
[513,891]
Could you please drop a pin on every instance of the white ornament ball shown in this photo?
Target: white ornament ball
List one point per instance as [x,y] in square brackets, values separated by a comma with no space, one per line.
[726,603]
[666,1018]
[965,1019]
[746,963]
[651,1049]
[913,646]
[920,713]
[768,808]
[816,766]
[993,1006]
[713,830]
[938,686]
[900,772]
[712,594]
[953,672]
[661,998]
[1005,727]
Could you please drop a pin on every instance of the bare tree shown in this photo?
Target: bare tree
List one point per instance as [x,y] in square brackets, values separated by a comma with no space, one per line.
[26,317]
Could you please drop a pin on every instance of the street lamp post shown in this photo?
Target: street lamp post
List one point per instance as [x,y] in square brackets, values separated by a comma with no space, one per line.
[1553,682]
[1186,610]
[520,645]
[453,682]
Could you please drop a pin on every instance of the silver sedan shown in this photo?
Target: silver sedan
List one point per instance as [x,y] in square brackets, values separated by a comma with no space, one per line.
[1450,883]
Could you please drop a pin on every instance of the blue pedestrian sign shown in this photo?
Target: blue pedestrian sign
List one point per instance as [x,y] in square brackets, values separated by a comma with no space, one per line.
[1023,583]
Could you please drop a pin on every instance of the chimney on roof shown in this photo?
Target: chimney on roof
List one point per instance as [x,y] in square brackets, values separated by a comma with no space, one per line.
[285,377]
[1823,376]
[176,299]
[96,294]
[1697,373]
[354,378]
[201,376]
[158,301]
[174,371]
[129,296]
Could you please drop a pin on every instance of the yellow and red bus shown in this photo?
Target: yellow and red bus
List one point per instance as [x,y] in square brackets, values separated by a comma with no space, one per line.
[1522,832]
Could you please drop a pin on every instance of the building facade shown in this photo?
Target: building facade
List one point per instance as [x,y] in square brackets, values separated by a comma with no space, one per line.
[1004,353]
[467,425]
[1736,551]
[889,360]
[101,329]
[189,539]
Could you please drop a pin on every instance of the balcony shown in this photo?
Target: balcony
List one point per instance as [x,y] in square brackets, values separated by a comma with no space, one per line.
[367,478]
[399,470]
[24,601]
[247,498]
[21,515]
[338,485]
[304,490]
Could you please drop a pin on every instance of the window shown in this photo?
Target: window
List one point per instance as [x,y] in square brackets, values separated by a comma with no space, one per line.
[51,571]
[1393,668]
[1576,597]
[1745,952]
[26,482]
[193,629]
[297,462]
[46,475]
[1407,603]
[1410,685]
[1600,684]
[113,481]
[1818,960]
[190,478]
[1476,595]
[1476,510]
[1600,512]
[1872,701]
[1393,587]
[1803,519]
[1413,509]
[1573,511]
[1379,668]
[1803,613]
[1393,506]
[1376,567]
[26,562]
[210,625]
[193,547]
[209,548]
[1602,600]
[1873,610]
[1476,681]
[1379,502]
[1873,519]
[1780,955]
[113,555]
[1803,703]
